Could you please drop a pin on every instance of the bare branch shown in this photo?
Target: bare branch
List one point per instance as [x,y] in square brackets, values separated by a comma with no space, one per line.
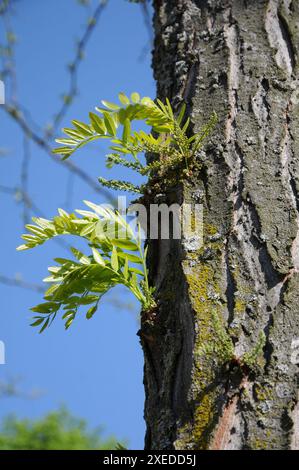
[22,117]
[74,66]
[15,282]
[70,165]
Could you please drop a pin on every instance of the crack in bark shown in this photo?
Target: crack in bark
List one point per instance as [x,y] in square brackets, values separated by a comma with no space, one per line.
[286,155]
[261,109]
[231,35]
[271,276]
[230,287]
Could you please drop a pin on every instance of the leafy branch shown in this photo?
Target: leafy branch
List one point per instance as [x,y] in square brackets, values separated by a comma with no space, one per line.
[169,138]
[115,250]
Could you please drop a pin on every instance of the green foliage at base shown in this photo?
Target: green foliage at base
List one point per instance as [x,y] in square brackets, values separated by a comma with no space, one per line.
[58,430]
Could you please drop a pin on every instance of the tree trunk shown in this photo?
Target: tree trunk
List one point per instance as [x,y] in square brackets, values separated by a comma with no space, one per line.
[239,58]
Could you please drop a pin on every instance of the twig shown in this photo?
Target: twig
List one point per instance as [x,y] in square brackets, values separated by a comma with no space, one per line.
[29,203]
[70,165]
[14,282]
[24,177]
[148,24]
[73,67]
[22,116]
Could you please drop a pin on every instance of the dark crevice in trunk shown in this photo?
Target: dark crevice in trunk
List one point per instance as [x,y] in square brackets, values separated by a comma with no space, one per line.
[272,277]
[265,85]
[268,349]
[295,191]
[230,289]
[240,183]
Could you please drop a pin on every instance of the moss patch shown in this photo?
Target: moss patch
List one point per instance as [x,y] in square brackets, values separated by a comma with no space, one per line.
[203,291]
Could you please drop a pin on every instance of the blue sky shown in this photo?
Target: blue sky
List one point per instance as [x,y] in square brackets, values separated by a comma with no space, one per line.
[95,368]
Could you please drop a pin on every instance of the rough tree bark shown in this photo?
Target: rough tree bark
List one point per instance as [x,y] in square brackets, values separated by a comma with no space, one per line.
[239,58]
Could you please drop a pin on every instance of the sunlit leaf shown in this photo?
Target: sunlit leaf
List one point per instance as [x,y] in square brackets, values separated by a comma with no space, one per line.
[114,259]
[135,97]
[123,98]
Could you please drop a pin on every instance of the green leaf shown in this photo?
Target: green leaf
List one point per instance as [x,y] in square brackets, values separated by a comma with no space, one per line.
[63,213]
[97,123]
[37,322]
[119,149]
[88,299]
[161,129]
[29,237]
[45,325]
[80,256]
[147,101]
[114,259]
[91,311]
[100,210]
[49,292]
[181,114]
[120,185]
[169,109]
[69,322]
[137,271]
[112,106]
[46,307]
[109,123]
[87,229]
[68,314]
[34,229]
[66,152]
[82,127]
[132,258]
[135,97]
[124,244]
[67,142]
[123,98]
[126,131]
[134,279]
[50,279]
[97,257]
[22,247]
[78,135]
[186,125]
[126,269]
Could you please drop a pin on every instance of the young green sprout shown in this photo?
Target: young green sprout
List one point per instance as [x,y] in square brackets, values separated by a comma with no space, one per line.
[116,254]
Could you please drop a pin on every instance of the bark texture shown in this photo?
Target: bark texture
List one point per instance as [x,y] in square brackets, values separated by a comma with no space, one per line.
[239,58]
